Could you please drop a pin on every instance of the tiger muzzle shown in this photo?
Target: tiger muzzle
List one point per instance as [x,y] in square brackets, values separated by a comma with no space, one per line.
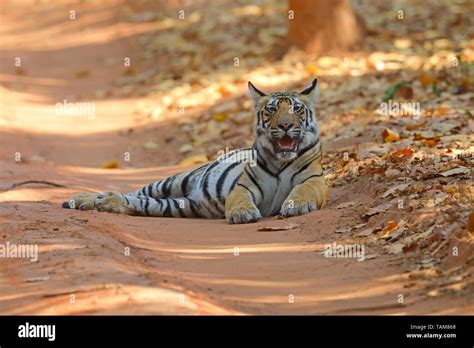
[286,144]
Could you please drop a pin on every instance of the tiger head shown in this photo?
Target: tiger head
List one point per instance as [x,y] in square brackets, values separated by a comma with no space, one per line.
[285,122]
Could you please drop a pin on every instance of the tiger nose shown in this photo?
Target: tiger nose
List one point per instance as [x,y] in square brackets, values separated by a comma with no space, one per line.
[285,126]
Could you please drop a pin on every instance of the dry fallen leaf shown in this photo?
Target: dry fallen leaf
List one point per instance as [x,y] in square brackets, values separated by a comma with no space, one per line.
[20,71]
[405,92]
[224,90]
[312,69]
[370,257]
[37,279]
[81,73]
[389,136]
[391,225]
[110,165]
[415,126]
[359,225]
[394,189]
[150,145]
[365,233]
[455,171]
[470,222]
[396,248]
[220,116]
[277,228]
[348,229]
[343,230]
[378,209]
[402,154]
[393,230]
[450,188]
[130,70]
[431,142]
[427,80]
[185,148]
[425,234]
[435,199]
[345,205]
[441,110]
[392,173]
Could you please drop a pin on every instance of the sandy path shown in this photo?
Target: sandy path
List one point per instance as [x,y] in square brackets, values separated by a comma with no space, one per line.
[174,266]
[84,254]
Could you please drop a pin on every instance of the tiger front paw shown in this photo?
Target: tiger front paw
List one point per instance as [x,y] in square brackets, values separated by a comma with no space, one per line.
[295,207]
[112,202]
[243,215]
[81,201]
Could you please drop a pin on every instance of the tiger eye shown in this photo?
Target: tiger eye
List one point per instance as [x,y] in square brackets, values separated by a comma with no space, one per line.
[270,109]
[298,107]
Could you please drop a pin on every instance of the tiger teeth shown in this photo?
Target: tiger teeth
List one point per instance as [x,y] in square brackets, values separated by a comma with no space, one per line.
[286,146]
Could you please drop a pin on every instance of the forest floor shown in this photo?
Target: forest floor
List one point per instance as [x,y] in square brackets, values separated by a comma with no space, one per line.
[401,180]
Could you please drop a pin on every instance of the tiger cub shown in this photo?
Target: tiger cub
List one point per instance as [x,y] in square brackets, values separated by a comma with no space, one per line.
[285,176]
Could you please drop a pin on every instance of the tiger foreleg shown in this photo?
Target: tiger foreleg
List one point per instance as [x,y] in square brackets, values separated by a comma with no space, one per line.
[81,201]
[134,204]
[240,206]
[308,196]
[114,202]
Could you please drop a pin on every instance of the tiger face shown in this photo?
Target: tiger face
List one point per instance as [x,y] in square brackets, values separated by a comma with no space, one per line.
[285,123]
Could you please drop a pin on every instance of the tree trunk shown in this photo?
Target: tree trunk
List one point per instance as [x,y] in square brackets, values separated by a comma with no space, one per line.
[322,26]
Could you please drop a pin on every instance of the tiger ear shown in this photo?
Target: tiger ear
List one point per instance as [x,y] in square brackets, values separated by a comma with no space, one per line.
[255,93]
[312,91]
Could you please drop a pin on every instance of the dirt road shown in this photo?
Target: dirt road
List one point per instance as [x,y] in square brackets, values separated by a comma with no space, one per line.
[100,263]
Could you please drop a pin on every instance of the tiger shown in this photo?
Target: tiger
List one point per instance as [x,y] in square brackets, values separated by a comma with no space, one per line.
[284,177]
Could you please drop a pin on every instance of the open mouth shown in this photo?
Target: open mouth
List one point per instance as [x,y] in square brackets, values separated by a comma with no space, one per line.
[286,143]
